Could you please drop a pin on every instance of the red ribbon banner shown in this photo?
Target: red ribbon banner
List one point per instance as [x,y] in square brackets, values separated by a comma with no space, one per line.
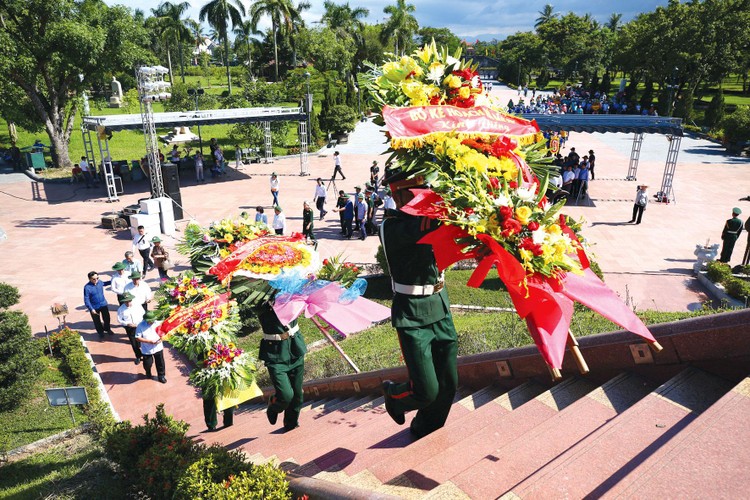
[183,314]
[418,121]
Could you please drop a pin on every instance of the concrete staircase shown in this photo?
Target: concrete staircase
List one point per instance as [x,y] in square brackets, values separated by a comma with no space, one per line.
[627,437]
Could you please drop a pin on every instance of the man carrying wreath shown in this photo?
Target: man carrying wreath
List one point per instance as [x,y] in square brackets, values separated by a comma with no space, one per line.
[421,315]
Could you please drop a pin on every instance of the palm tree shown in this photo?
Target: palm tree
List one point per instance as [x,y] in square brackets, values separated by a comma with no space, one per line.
[196,33]
[282,13]
[344,20]
[244,34]
[173,28]
[400,26]
[614,22]
[546,15]
[218,13]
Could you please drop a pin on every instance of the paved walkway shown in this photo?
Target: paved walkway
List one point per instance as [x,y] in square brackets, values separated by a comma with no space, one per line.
[54,237]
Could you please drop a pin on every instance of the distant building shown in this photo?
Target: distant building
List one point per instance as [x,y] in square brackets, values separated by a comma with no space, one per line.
[206,46]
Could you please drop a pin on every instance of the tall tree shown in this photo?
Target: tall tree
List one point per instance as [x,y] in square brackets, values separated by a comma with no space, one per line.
[282,13]
[401,26]
[219,13]
[45,48]
[614,21]
[546,15]
[347,23]
[245,35]
[174,29]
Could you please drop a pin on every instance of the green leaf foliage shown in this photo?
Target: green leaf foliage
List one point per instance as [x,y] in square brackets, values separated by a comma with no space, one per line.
[19,358]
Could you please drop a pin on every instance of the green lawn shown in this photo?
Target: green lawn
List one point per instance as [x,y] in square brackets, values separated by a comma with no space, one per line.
[35,419]
[75,468]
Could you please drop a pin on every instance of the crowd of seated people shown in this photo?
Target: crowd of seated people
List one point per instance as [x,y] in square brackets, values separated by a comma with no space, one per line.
[578,100]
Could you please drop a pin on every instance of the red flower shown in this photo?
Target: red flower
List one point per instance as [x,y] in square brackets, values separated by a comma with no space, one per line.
[512,226]
[533,225]
[325,262]
[542,201]
[528,244]
[469,211]
[506,212]
[502,147]
[494,183]
[513,184]
[466,73]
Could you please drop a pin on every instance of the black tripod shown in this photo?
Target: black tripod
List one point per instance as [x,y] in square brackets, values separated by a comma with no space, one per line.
[332,182]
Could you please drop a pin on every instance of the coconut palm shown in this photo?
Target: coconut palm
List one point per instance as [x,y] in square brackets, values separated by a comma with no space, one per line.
[244,35]
[219,13]
[173,29]
[546,15]
[400,26]
[283,13]
[344,20]
[614,22]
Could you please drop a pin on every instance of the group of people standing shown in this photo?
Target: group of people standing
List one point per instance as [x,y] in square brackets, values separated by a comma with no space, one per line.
[575,173]
[133,296]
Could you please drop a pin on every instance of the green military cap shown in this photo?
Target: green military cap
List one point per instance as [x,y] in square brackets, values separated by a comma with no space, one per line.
[135,275]
[119,266]
[155,239]
[126,297]
[150,316]
[736,211]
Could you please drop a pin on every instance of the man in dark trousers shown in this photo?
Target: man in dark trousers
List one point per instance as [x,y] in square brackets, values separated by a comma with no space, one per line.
[96,303]
[421,315]
[283,351]
[209,413]
[337,166]
[732,230]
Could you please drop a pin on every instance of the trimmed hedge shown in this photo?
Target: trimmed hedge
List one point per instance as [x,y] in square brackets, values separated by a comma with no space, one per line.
[163,463]
[718,272]
[67,345]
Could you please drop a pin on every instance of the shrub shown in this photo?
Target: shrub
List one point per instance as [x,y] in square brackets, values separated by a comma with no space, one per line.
[737,126]
[339,119]
[9,295]
[738,288]
[19,358]
[206,479]
[382,262]
[715,110]
[718,272]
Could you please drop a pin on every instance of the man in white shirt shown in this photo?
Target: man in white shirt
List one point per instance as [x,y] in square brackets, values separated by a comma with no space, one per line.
[142,244]
[140,290]
[320,197]
[151,347]
[279,220]
[119,280]
[131,265]
[84,166]
[129,315]
[337,166]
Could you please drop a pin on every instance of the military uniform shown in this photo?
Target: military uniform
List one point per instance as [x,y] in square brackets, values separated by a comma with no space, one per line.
[421,315]
[729,235]
[209,413]
[283,351]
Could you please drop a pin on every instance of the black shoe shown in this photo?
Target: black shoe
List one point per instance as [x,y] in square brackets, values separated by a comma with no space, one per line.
[290,428]
[137,361]
[211,429]
[272,416]
[163,380]
[631,221]
[101,336]
[149,376]
[397,416]
[110,332]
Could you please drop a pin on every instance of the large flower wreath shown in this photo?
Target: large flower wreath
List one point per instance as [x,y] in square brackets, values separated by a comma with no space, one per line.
[488,174]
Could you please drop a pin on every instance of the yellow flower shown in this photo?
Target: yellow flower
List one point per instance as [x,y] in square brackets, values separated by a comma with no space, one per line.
[229,237]
[452,81]
[464,92]
[523,214]
[554,229]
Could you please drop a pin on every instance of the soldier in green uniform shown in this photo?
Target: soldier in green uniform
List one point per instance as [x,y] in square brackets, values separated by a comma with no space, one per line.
[729,235]
[209,413]
[421,315]
[283,351]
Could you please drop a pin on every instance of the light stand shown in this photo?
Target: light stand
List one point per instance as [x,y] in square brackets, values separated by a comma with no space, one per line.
[196,93]
[152,87]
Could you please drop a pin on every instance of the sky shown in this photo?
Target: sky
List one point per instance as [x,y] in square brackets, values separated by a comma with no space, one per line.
[469,19]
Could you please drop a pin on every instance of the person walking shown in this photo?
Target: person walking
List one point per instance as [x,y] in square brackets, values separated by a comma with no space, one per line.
[283,351]
[729,235]
[420,312]
[641,200]
[96,304]
[140,290]
[119,280]
[260,216]
[337,166]
[340,204]
[279,221]
[374,175]
[360,215]
[307,223]
[152,348]
[320,197]
[131,265]
[142,244]
[209,413]
[161,258]
[592,163]
[129,316]
[274,182]
[346,212]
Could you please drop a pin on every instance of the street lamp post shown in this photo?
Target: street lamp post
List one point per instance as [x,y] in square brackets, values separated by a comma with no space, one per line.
[519,72]
[196,93]
[672,87]
[309,106]
[359,102]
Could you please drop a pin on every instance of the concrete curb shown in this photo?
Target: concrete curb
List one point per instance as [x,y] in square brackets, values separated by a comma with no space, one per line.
[717,291]
[17,453]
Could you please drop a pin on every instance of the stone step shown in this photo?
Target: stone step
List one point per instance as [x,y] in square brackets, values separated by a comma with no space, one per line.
[605,460]
[446,463]
[711,456]
[458,429]
[506,463]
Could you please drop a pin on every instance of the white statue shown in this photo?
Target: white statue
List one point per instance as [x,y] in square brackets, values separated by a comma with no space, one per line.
[705,253]
[115,101]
